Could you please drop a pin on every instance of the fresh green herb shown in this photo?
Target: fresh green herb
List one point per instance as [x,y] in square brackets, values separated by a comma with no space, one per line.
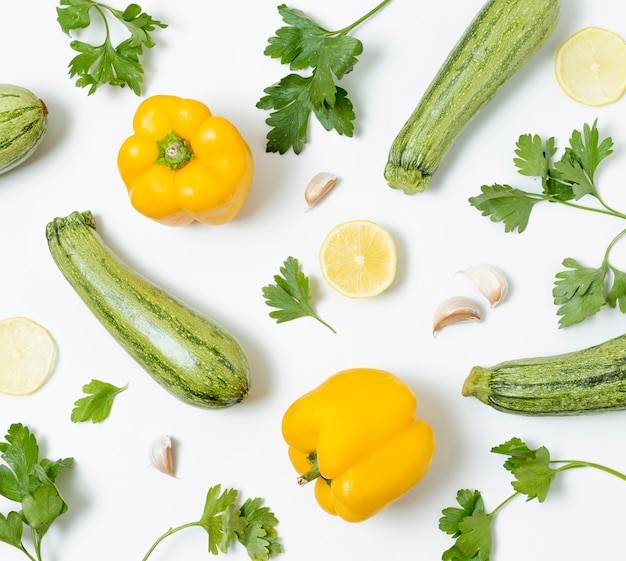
[291,294]
[119,65]
[29,481]
[579,291]
[471,525]
[251,525]
[96,406]
[328,55]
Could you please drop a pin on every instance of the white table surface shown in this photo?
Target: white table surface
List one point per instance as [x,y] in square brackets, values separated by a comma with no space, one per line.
[213,51]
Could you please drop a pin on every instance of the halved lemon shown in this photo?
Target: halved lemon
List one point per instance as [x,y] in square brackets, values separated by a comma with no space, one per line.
[358,258]
[590,66]
[26,356]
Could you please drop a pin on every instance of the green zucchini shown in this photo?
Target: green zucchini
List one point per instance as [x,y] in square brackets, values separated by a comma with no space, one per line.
[23,124]
[190,355]
[503,36]
[590,380]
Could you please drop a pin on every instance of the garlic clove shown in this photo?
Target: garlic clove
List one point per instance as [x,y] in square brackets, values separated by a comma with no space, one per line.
[455,310]
[161,455]
[491,282]
[318,187]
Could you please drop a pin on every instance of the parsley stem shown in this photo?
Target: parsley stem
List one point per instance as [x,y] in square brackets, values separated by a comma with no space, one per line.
[605,210]
[324,323]
[571,464]
[167,534]
[358,22]
[25,551]
[99,8]
[36,542]
[613,242]
[503,503]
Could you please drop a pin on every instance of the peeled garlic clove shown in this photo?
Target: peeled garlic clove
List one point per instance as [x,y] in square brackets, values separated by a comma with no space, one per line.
[490,281]
[319,187]
[455,310]
[161,455]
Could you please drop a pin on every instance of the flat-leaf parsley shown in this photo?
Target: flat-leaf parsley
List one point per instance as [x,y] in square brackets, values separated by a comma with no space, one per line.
[29,481]
[251,525]
[579,291]
[328,55]
[471,526]
[96,65]
[97,404]
[291,294]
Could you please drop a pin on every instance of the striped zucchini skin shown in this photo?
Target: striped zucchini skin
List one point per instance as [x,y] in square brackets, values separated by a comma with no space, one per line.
[23,124]
[190,355]
[590,380]
[501,39]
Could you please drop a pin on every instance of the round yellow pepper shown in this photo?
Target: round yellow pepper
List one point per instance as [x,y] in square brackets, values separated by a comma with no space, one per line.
[357,436]
[183,164]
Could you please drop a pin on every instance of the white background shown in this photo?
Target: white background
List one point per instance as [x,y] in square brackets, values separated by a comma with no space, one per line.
[213,51]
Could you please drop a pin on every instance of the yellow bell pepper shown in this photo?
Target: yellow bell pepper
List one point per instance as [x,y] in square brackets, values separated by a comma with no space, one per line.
[357,436]
[183,164]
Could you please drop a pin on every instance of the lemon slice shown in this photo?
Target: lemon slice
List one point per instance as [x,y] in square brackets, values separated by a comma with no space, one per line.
[26,355]
[358,259]
[590,66]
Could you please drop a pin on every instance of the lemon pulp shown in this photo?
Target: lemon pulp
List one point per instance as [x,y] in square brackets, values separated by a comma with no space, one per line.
[358,259]
[590,66]
[26,355]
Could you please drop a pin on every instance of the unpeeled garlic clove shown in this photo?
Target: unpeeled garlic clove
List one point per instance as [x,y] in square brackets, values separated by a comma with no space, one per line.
[161,455]
[489,280]
[455,310]
[319,187]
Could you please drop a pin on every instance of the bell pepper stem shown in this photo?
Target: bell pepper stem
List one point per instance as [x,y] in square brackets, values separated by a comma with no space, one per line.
[174,151]
[313,473]
[309,476]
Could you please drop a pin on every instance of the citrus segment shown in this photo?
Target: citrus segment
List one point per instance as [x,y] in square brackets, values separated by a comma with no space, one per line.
[590,66]
[26,355]
[358,259]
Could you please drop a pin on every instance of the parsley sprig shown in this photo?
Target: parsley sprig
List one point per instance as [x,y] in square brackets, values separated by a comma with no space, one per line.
[251,525]
[119,65]
[291,294]
[579,291]
[471,526]
[29,481]
[97,403]
[304,45]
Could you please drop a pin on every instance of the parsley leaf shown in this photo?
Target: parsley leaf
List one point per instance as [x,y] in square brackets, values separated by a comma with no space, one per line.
[327,56]
[582,291]
[221,519]
[472,527]
[533,158]
[30,481]
[617,294]
[503,203]
[259,537]
[96,406]
[569,171]
[579,291]
[291,294]
[587,149]
[11,529]
[531,468]
[252,525]
[119,65]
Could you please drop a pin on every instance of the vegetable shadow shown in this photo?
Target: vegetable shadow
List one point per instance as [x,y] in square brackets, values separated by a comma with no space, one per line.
[448,440]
